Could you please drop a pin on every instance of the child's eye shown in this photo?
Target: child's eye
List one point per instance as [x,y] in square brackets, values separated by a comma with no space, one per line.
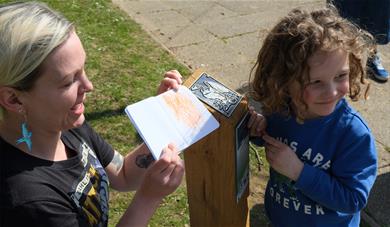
[342,75]
[315,82]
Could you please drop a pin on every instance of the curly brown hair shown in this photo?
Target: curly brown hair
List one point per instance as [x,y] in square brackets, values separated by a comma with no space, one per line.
[283,57]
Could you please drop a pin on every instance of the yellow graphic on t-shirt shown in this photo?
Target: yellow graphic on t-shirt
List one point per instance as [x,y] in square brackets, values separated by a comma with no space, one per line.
[92,202]
[91,192]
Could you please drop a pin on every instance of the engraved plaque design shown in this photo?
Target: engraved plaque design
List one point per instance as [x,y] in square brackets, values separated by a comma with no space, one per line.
[215,94]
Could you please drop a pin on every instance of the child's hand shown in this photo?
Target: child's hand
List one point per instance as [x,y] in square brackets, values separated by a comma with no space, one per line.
[282,158]
[172,80]
[257,123]
[164,175]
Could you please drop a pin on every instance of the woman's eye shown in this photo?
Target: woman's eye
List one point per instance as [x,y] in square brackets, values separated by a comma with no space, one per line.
[69,82]
[74,78]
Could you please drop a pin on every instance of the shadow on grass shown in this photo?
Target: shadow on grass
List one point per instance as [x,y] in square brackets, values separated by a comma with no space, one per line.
[111,113]
[106,113]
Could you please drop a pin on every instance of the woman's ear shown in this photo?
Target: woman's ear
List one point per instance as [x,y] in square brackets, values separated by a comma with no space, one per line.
[9,99]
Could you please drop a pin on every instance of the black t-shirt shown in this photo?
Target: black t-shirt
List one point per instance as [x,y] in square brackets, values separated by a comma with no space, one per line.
[73,192]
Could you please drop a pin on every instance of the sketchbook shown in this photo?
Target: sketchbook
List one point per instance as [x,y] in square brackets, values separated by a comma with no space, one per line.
[176,116]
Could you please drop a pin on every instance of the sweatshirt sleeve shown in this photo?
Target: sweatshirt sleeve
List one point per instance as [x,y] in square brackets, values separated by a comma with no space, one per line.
[345,188]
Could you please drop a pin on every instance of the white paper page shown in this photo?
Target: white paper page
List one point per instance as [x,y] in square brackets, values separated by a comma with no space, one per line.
[193,120]
[151,123]
[174,116]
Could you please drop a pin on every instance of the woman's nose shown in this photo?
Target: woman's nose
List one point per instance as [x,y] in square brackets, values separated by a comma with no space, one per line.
[86,84]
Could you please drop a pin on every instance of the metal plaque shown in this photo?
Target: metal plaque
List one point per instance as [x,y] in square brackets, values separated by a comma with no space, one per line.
[215,94]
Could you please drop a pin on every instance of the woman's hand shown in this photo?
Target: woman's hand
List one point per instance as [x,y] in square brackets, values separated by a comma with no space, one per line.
[257,123]
[172,80]
[282,158]
[164,175]
[161,179]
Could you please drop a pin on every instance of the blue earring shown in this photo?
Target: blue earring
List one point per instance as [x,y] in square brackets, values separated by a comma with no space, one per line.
[26,136]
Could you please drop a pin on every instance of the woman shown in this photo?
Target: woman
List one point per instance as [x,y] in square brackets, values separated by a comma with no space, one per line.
[55,169]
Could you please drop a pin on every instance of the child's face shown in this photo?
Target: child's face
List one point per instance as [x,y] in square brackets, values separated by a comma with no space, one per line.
[329,82]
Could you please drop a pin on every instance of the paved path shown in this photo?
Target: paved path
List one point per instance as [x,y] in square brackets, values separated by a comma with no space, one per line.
[224,37]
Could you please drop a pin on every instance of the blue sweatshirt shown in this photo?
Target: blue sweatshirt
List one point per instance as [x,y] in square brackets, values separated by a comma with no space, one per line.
[340,165]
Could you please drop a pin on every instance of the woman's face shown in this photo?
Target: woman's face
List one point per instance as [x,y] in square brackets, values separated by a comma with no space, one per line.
[329,82]
[55,103]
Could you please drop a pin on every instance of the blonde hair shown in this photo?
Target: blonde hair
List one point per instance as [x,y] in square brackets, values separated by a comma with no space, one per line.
[283,57]
[29,32]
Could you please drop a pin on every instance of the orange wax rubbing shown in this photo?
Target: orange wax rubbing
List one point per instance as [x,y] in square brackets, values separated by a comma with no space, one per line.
[183,108]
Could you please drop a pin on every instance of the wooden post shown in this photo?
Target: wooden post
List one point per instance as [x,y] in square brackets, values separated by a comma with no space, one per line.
[210,173]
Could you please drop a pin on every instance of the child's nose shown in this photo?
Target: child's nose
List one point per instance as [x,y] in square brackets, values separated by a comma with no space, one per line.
[331,90]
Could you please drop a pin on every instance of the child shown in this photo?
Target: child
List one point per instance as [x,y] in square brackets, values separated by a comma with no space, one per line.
[321,152]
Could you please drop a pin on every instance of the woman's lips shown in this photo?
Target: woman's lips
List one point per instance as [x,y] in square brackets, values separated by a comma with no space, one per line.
[78,109]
